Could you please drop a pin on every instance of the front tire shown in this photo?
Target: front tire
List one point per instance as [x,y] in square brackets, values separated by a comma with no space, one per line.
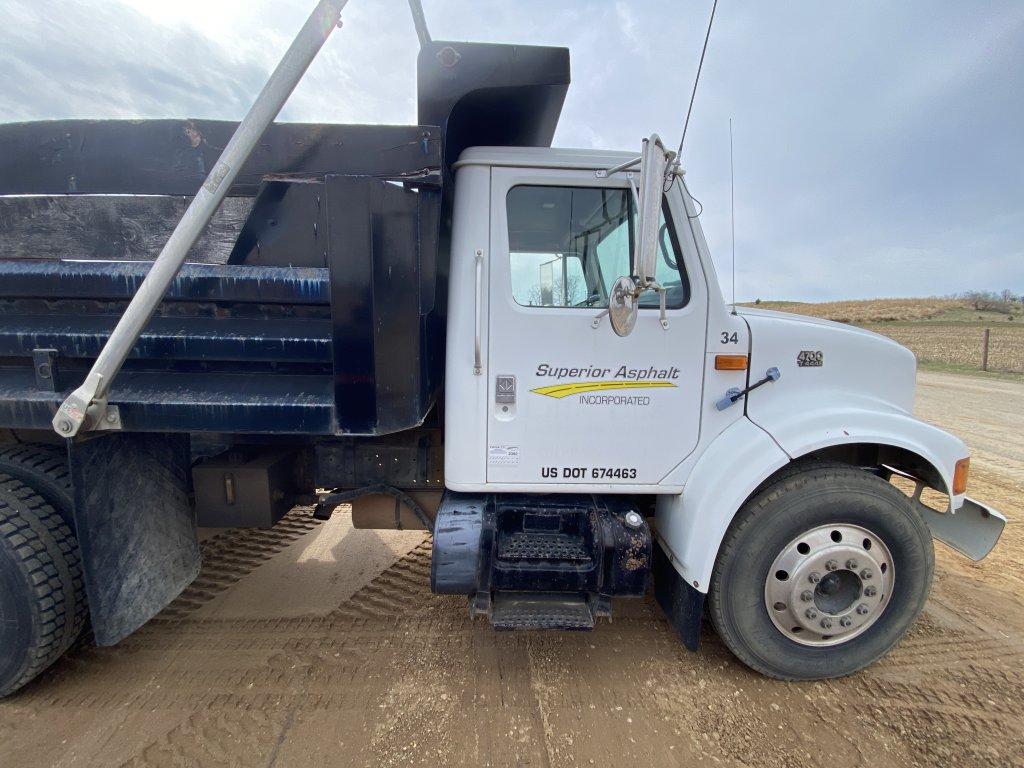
[41,588]
[821,573]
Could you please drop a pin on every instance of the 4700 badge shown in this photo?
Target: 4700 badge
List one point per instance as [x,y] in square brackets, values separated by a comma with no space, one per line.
[593,473]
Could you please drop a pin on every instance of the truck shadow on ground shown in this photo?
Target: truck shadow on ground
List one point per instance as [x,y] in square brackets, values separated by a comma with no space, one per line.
[394,674]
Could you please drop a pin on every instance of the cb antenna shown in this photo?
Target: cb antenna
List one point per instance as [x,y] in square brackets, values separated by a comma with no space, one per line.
[696,80]
[732,216]
[421,22]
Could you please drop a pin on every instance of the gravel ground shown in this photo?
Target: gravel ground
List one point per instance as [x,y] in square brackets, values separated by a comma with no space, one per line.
[316,644]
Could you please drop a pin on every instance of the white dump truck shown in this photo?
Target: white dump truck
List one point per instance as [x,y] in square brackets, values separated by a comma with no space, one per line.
[450,326]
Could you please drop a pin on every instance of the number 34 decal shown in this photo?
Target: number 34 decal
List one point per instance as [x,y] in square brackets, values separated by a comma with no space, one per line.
[730,338]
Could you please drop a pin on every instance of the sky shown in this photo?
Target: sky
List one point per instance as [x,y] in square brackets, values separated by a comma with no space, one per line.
[879,146]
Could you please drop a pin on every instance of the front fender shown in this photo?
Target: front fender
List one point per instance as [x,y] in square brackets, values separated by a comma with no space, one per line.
[800,431]
[690,525]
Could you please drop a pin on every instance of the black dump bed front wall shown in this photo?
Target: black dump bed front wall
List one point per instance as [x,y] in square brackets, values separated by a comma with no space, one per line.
[314,303]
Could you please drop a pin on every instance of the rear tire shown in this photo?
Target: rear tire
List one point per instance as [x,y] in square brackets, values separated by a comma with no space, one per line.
[44,468]
[804,503]
[42,597]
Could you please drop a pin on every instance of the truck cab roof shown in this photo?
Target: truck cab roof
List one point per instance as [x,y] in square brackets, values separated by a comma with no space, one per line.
[543,157]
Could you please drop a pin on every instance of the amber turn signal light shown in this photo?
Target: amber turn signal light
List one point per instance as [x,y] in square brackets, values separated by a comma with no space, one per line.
[963,469]
[730,362]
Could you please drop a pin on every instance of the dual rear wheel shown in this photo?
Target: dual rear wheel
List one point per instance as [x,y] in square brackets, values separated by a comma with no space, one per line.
[42,595]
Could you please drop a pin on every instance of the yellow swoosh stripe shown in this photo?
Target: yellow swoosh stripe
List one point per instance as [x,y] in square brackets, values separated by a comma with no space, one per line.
[579,387]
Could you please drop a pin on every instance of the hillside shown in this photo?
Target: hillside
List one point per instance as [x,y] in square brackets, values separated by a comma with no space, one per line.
[945,334]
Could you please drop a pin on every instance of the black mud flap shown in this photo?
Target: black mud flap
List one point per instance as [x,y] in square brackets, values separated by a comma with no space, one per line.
[682,604]
[136,527]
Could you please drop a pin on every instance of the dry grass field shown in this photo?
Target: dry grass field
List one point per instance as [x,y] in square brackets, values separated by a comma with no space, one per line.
[868,311]
[945,334]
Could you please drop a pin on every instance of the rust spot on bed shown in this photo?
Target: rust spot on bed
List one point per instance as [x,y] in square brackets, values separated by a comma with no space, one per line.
[195,138]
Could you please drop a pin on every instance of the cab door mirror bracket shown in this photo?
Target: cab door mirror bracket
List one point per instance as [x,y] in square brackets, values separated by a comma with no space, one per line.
[657,167]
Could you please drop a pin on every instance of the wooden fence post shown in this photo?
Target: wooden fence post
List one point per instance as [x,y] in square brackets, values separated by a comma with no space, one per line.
[984,349]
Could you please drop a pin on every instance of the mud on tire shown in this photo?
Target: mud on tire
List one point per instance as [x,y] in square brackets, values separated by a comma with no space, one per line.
[42,597]
[800,500]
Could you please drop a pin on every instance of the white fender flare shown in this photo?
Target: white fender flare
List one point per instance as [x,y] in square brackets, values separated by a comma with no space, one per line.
[690,526]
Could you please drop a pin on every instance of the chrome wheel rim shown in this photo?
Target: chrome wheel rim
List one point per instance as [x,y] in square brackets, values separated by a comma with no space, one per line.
[829,585]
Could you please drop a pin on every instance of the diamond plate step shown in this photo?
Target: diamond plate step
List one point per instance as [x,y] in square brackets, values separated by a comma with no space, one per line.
[518,610]
[543,546]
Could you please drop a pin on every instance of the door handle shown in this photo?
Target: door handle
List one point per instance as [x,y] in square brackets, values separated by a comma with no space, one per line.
[478,320]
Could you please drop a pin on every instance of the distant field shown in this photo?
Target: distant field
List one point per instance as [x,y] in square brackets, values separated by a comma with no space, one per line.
[943,333]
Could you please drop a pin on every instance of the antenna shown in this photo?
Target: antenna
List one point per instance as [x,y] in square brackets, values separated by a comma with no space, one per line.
[696,80]
[732,215]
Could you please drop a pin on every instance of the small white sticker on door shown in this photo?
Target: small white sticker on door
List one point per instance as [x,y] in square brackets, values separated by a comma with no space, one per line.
[503,455]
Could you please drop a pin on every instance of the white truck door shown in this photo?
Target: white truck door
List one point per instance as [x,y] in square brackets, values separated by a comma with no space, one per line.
[570,404]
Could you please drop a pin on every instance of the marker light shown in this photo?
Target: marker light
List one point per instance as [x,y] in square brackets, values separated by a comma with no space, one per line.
[730,362]
[963,468]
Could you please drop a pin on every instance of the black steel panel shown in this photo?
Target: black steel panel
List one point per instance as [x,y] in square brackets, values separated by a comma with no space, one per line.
[108,227]
[375,258]
[135,527]
[197,282]
[286,227]
[187,402]
[484,94]
[173,157]
[350,257]
[410,460]
[171,338]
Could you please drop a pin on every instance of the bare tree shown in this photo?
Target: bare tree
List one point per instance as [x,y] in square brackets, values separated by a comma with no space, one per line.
[990,301]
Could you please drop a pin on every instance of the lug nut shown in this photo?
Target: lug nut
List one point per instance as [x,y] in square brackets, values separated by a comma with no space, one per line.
[870,591]
[845,621]
[810,613]
[814,578]
[826,623]
[862,609]
[634,520]
[832,565]
[865,574]
[852,564]
[807,595]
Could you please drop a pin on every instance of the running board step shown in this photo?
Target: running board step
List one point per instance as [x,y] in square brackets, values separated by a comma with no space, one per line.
[525,546]
[523,610]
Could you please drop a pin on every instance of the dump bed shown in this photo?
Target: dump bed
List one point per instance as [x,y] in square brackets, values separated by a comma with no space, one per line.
[314,303]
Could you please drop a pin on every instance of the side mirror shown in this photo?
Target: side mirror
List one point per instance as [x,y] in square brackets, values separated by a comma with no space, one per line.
[622,304]
[654,162]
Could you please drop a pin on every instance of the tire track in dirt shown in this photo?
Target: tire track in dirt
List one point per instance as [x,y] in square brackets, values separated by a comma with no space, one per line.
[213,739]
[234,553]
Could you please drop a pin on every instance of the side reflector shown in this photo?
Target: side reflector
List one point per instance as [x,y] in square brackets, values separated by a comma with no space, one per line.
[963,469]
[730,362]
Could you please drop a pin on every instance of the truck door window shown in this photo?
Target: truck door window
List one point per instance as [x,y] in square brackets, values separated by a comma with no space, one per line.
[567,245]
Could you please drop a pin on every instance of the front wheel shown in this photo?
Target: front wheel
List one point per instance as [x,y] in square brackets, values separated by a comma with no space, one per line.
[821,573]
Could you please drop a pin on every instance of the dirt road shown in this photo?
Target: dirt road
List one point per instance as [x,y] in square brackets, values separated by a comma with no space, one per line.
[320,645]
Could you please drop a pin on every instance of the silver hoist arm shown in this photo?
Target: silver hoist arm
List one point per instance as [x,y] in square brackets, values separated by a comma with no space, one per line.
[86,407]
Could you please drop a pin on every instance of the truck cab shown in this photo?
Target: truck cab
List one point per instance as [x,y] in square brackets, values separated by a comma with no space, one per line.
[559,392]
[698,412]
